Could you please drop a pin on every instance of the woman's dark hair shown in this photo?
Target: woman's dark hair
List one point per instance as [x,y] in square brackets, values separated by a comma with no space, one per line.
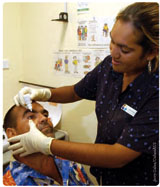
[145,17]
[9,119]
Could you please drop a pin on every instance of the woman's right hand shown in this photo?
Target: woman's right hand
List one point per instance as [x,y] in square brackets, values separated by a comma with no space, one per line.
[30,142]
[43,94]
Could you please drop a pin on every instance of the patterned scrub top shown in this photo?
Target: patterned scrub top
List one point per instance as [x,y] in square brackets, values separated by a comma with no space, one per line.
[137,129]
[19,174]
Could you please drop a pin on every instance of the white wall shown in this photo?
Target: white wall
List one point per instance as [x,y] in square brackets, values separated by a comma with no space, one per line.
[42,36]
[12,51]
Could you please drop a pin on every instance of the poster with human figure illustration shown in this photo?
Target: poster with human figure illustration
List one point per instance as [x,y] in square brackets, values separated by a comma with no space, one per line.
[67,62]
[77,63]
[94,32]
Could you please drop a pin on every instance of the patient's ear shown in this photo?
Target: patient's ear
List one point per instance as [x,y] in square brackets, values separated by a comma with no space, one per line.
[11,132]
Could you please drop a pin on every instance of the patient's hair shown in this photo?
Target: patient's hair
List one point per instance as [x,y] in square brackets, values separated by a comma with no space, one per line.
[10,119]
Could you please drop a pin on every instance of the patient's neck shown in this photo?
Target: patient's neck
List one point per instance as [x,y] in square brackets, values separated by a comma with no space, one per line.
[43,164]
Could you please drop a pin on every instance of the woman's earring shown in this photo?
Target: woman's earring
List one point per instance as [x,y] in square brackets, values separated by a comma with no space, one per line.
[149,66]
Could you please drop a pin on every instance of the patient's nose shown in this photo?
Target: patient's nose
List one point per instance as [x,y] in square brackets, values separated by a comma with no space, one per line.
[42,118]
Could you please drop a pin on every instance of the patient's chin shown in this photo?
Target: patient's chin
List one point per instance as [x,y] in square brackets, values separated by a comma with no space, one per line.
[48,131]
[49,134]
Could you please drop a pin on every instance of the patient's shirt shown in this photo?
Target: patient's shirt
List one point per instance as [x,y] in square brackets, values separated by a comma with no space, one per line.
[19,174]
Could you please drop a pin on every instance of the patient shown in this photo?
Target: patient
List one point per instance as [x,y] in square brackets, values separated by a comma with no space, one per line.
[38,169]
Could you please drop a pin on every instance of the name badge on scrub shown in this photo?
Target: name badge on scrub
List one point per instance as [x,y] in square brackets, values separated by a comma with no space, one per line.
[129,110]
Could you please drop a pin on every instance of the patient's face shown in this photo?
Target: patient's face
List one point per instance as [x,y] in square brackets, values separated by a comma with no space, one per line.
[39,116]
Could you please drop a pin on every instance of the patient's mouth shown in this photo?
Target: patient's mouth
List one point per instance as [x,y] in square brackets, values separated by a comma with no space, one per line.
[46,129]
[43,126]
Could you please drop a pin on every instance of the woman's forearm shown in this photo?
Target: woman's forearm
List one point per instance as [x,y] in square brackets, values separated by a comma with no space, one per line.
[98,155]
[64,94]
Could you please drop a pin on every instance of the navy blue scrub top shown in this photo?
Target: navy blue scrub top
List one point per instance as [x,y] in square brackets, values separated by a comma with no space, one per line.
[140,133]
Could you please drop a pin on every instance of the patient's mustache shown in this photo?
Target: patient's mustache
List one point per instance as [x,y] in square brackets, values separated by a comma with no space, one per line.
[42,125]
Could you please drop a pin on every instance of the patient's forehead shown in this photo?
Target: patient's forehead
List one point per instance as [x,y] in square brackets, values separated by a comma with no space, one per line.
[19,110]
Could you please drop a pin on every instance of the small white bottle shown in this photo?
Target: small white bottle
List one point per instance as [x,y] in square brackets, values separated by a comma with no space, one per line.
[28,101]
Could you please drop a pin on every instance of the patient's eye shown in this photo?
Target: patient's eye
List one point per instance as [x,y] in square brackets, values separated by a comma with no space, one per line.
[45,114]
[31,116]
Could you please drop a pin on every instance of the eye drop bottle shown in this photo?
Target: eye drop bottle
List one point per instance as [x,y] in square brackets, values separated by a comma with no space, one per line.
[28,101]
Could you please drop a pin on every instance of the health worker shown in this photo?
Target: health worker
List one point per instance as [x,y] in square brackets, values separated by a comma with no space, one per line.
[125,86]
